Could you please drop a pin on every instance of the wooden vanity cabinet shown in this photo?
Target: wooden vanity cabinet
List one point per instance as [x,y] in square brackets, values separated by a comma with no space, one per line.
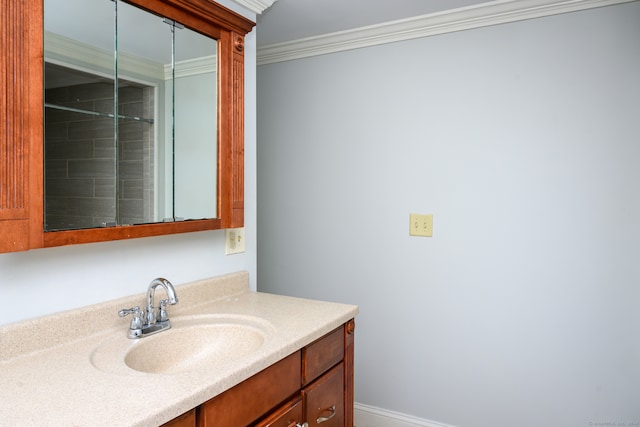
[312,385]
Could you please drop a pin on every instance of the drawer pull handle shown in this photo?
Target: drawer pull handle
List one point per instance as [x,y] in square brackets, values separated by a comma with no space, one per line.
[333,414]
[299,425]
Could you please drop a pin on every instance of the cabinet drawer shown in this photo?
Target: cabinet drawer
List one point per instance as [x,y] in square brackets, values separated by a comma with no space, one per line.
[251,399]
[290,415]
[322,354]
[324,399]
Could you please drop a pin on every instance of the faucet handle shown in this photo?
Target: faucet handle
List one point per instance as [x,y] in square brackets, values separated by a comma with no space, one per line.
[127,311]
[163,316]
[136,322]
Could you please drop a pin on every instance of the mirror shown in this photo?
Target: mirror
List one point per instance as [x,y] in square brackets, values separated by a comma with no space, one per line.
[155,159]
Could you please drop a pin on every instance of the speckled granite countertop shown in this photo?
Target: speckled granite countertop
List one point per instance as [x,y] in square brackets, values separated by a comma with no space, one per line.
[48,376]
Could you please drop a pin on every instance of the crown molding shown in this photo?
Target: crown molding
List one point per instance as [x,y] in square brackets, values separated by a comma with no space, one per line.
[477,16]
[192,67]
[72,53]
[256,6]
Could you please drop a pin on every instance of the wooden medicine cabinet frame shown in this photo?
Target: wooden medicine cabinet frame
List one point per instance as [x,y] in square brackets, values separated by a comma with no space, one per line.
[22,129]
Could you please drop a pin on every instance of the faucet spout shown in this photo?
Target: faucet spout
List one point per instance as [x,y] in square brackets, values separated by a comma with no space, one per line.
[161,314]
[168,288]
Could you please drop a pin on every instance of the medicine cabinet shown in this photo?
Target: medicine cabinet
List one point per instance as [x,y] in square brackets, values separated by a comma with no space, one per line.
[139,128]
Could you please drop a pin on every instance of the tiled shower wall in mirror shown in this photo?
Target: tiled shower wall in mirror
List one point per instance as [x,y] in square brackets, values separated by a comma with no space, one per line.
[80,153]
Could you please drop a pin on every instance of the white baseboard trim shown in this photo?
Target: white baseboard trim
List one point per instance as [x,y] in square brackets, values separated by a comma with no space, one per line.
[370,416]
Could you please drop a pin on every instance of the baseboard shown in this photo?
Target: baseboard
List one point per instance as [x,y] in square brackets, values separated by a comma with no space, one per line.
[370,416]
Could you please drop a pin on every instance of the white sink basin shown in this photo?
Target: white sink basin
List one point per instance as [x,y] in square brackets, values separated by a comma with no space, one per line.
[193,342]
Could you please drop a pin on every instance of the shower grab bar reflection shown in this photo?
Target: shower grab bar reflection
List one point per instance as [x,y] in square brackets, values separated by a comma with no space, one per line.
[97,113]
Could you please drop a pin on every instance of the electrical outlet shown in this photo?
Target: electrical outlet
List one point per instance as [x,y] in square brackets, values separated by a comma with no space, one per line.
[235,241]
[421,225]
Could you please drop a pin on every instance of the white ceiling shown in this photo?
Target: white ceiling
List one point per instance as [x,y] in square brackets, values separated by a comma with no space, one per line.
[289,20]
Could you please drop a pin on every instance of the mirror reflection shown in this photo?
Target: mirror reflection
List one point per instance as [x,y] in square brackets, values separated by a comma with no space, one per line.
[139,151]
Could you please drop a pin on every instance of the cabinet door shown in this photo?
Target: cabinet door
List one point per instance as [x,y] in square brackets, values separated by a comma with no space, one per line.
[290,415]
[324,399]
[254,397]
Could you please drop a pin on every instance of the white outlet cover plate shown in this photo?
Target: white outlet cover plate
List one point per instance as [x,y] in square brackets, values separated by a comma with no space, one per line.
[234,238]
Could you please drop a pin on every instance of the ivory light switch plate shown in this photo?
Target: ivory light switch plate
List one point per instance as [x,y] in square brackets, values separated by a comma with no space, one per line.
[235,240]
[421,225]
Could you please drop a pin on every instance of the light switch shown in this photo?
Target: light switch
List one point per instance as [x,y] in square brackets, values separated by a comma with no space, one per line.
[235,240]
[421,225]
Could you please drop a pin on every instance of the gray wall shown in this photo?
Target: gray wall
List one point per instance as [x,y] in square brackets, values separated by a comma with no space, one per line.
[523,140]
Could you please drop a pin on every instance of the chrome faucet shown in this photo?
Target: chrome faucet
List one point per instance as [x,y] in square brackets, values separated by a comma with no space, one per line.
[154,319]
